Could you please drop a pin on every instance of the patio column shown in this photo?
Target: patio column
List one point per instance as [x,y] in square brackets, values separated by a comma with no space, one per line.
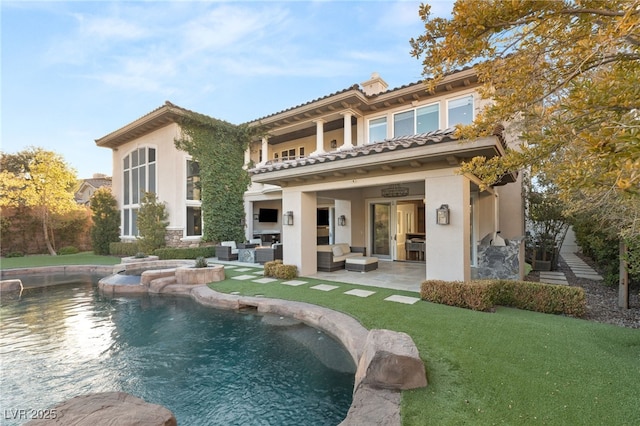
[448,246]
[248,218]
[299,240]
[348,144]
[319,138]
[265,150]
[247,156]
[343,232]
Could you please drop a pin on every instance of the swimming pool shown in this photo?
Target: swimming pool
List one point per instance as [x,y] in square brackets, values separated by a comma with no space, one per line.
[208,366]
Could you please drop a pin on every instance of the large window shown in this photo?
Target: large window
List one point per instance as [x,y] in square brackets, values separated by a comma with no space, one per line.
[403,123]
[415,121]
[193,180]
[428,118]
[193,201]
[460,111]
[139,176]
[377,130]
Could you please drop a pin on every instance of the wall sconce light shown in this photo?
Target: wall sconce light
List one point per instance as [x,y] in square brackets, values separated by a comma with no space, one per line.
[334,143]
[287,218]
[342,220]
[442,214]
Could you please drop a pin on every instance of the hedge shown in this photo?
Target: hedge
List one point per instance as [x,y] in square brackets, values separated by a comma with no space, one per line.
[185,253]
[124,249]
[483,295]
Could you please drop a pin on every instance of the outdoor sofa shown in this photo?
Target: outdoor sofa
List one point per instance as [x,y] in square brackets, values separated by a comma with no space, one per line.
[332,257]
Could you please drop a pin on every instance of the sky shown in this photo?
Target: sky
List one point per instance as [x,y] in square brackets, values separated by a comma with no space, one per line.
[75,71]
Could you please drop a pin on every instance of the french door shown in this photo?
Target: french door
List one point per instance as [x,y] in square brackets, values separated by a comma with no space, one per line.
[382,219]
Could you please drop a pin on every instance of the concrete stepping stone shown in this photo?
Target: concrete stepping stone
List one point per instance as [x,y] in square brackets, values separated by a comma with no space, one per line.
[244,269]
[360,293]
[553,277]
[402,299]
[244,277]
[324,287]
[264,280]
[294,283]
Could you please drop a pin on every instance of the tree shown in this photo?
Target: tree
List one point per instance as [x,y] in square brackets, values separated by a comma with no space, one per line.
[152,223]
[563,73]
[106,220]
[41,180]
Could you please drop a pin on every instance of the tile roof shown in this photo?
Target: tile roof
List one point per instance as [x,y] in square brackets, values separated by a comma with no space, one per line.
[356,88]
[393,144]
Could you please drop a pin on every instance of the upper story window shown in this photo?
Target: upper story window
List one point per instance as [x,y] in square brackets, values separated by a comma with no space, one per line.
[193,180]
[139,176]
[428,118]
[377,129]
[460,111]
[288,154]
[193,202]
[415,121]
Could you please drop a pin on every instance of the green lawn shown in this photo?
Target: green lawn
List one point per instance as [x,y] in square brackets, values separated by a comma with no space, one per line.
[33,261]
[507,367]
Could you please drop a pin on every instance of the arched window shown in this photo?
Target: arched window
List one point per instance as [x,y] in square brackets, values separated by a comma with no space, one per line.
[139,176]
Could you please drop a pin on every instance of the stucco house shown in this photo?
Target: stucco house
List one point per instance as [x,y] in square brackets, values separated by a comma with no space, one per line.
[368,166]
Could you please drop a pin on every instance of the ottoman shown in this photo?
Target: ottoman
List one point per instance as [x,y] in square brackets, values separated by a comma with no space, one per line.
[361,264]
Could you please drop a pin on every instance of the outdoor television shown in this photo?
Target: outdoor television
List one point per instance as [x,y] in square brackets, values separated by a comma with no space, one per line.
[268,215]
[323,217]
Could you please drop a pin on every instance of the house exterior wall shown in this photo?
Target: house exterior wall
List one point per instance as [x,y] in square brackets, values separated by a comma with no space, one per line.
[171,186]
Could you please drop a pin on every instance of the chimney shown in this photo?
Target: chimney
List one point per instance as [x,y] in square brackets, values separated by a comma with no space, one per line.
[374,85]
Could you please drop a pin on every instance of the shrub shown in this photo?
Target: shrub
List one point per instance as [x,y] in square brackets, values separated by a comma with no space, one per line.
[106,220]
[482,295]
[201,262]
[286,272]
[270,268]
[152,223]
[124,249]
[15,254]
[185,253]
[140,255]
[68,250]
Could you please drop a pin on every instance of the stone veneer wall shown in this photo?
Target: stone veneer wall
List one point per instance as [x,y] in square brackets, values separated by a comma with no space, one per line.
[173,238]
[498,262]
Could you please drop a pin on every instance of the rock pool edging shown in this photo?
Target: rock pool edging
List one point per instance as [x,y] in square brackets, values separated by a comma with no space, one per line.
[387,361]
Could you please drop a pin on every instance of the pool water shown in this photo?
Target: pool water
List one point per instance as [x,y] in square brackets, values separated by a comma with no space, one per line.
[209,367]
